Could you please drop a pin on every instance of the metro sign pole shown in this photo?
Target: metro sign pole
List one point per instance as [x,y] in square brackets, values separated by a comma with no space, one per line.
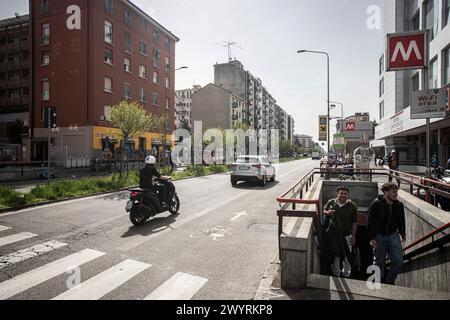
[410,51]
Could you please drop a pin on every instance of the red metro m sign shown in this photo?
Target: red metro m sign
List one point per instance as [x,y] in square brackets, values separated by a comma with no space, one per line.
[406,51]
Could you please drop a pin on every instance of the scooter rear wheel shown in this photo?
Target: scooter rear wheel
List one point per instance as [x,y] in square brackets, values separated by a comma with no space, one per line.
[138,215]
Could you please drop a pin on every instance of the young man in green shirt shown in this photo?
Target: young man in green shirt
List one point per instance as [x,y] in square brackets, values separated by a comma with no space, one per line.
[340,222]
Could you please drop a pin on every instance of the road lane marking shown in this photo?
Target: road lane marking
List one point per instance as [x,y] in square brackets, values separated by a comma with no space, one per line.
[3,228]
[238,215]
[16,238]
[16,285]
[105,282]
[28,253]
[181,286]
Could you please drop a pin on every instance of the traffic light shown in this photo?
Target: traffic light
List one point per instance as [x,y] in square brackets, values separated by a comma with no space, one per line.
[50,123]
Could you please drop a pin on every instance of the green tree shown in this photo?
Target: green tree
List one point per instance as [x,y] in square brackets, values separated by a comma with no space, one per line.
[131,119]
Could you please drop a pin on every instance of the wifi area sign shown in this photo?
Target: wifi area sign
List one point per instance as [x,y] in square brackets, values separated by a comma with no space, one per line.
[406,51]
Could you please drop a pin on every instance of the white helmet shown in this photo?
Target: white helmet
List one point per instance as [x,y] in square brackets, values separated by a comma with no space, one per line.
[150,160]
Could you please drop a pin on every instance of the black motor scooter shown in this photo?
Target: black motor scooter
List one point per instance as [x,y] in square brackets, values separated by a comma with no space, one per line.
[145,204]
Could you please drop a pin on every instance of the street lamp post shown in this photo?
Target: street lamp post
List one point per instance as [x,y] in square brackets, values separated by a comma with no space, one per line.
[341,127]
[328,92]
[165,110]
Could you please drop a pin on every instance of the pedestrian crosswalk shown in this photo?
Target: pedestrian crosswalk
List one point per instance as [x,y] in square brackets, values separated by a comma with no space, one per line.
[180,286]
[100,285]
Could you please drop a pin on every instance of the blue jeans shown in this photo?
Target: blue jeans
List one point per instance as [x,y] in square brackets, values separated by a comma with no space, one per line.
[392,245]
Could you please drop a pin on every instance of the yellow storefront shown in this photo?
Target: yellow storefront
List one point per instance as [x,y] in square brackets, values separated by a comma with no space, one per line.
[147,143]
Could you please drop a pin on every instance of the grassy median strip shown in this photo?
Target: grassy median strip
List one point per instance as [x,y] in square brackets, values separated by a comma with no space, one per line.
[70,188]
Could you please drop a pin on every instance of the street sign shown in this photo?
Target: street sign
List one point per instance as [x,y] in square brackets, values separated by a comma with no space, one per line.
[350,126]
[323,126]
[406,51]
[429,104]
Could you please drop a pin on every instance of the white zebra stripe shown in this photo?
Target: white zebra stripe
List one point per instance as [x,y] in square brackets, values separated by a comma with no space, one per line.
[181,286]
[28,253]
[105,282]
[34,277]
[16,238]
[3,228]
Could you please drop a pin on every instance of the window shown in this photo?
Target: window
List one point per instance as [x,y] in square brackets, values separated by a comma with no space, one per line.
[415,21]
[127,65]
[167,64]
[416,82]
[156,36]
[446,66]
[382,64]
[155,99]
[433,75]
[381,87]
[109,6]
[142,96]
[108,85]
[107,111]
[127,16]
[167,103]
[432,17]
[44,7]
[381,110]
[168,43]
[143,47]
[45,58]
[447,11]
[46,34]
[108,56]
[143,71]
[155,77]
[143,22]
[127,91]
[45,85]
[127,42]
[108,32]
[167,83]
[156,58]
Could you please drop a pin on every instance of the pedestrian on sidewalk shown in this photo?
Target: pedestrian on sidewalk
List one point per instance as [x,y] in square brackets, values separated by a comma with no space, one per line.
[393,165]
[340,225]
[386,224]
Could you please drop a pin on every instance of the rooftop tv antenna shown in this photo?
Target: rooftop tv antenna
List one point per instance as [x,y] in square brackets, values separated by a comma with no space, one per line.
[228,44]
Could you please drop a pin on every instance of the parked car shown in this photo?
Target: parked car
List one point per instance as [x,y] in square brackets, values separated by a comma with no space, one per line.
[252,168]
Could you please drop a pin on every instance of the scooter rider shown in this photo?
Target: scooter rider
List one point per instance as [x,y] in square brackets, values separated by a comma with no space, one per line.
[146,175]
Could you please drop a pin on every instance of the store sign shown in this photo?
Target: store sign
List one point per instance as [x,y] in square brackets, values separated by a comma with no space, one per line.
[323,126]
[429,104]
[406,51]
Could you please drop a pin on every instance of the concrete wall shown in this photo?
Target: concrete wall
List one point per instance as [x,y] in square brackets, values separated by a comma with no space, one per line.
[431,270]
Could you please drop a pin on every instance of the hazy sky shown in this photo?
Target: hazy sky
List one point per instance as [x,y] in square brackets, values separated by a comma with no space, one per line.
[270,33]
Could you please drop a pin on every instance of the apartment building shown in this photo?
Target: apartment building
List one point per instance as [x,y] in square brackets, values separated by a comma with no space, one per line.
[117,52]
[261,106]
[217,107]
[14,87]
[397,130]
[183,107]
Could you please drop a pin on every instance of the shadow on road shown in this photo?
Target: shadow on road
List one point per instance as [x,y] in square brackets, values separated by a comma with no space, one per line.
[255,186]
[152,226]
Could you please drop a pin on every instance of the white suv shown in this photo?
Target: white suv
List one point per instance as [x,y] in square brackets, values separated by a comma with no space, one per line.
[252,168]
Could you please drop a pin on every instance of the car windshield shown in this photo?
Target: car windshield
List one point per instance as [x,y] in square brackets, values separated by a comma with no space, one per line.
[247,160]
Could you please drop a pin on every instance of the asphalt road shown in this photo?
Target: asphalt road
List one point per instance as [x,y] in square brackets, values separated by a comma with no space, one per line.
[217,247]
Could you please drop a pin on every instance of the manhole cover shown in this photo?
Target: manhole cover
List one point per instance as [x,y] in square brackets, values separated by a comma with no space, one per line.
[263,227]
